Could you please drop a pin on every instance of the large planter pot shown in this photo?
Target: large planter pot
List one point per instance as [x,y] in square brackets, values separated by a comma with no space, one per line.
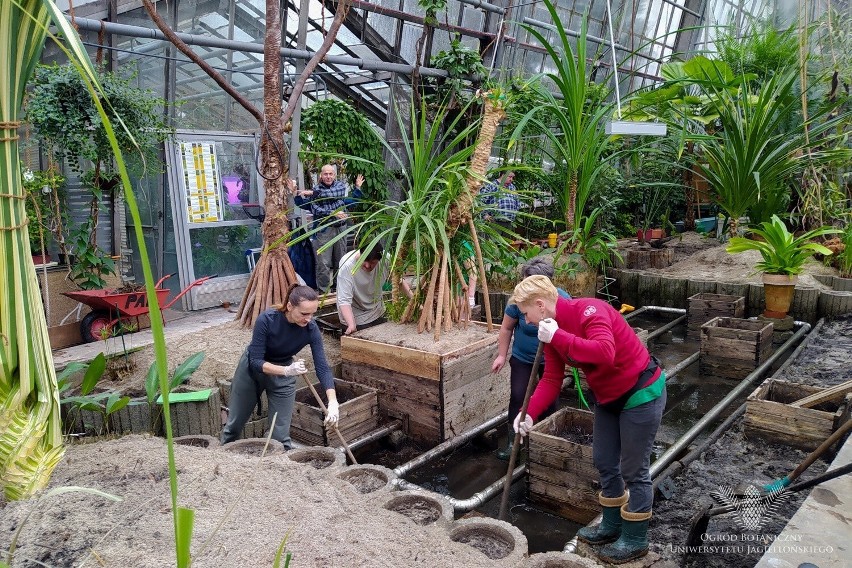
[778,290]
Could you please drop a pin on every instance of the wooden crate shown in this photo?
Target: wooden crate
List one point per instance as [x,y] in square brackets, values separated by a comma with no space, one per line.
[359,414]
[769,415]
[439,390]
[704,306]
[732,348]
[562,476]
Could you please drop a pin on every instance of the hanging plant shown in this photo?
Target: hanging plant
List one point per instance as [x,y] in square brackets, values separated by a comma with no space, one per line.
[66,122]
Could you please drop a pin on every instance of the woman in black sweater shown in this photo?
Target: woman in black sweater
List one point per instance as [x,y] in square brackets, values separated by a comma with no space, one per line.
[268,365]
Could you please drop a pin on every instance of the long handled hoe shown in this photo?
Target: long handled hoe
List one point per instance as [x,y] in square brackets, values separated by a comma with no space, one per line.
[334,426]
[507,482]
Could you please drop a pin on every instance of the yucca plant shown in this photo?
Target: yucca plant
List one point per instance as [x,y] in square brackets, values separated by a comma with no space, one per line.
[30,426]
[573,126]
[782,251]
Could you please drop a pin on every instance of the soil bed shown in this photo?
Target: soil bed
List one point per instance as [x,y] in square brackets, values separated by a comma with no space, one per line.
[734,460]
[491,546]
[406,336]
[576,435]
[421,511]
[366,481]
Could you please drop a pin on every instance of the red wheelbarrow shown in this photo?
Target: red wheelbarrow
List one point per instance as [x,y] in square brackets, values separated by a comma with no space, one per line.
[111,309]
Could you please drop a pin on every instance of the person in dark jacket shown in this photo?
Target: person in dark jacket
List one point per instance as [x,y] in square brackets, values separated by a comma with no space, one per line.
[328,202]
[630,395]
[268,365]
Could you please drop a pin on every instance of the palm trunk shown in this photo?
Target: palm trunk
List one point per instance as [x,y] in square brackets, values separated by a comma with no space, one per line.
[460,211]
[30,426]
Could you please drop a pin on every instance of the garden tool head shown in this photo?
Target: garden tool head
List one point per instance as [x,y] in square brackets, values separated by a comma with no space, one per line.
[626,308]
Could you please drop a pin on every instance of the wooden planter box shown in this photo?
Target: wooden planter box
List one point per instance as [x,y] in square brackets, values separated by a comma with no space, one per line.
[562,476]
[437,389]
[359,414]
[704,306]
[732,348]
[769,415]
[188,418]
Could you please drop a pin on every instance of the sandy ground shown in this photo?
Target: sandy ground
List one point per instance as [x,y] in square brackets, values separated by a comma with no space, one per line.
[330,524]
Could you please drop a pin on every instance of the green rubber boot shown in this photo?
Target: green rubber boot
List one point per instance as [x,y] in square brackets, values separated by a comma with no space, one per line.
[609,528]
[633,542]
[506,453]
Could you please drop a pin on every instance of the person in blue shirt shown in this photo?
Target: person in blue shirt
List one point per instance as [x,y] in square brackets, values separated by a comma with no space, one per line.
[500,201]
[268,365]
[524,347]
[328,202]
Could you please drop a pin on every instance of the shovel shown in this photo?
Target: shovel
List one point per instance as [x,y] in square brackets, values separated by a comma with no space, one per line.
[702,518]
[507,482]
[811,458]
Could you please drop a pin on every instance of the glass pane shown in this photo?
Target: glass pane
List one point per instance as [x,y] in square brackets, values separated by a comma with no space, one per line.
[239,178]
[222,250]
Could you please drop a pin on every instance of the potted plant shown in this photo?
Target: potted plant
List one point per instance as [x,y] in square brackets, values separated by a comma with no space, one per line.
[784,255]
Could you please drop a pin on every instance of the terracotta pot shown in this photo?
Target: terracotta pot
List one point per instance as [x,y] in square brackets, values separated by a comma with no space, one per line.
[41,259]
[778,290]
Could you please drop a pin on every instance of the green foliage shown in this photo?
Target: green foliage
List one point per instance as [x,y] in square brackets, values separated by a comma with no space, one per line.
[91,264]
[44,190]
[578,139]
[414,231]
[503,263]
[844,257]
[596,246]
[60,110]
[180,376]
[104,403]
[466,73]
[432,8]
[332,131]
[782,251]
[762,52]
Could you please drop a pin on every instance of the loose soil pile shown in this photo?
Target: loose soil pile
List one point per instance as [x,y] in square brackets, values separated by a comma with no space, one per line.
[699,257]
[328,523]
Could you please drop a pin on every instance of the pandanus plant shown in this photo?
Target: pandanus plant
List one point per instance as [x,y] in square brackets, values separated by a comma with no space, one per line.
[30,427]
[426,229]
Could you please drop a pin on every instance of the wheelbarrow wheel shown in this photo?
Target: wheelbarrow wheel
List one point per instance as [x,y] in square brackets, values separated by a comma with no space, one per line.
[95,325]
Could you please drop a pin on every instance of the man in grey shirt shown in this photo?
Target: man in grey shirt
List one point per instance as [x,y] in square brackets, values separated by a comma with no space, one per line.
[359,288]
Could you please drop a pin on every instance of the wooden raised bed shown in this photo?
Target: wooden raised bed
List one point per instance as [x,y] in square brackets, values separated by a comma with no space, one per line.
[769,415]
[562,476]
[359,414]
[437,389]
[732,348]
[704,306]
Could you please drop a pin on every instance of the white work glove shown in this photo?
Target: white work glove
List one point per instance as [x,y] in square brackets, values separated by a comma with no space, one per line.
[297,367]
[333,414]
[546,329]
[523,428]
[471,301]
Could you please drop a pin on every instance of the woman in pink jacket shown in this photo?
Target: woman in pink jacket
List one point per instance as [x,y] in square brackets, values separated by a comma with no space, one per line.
[629,388]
